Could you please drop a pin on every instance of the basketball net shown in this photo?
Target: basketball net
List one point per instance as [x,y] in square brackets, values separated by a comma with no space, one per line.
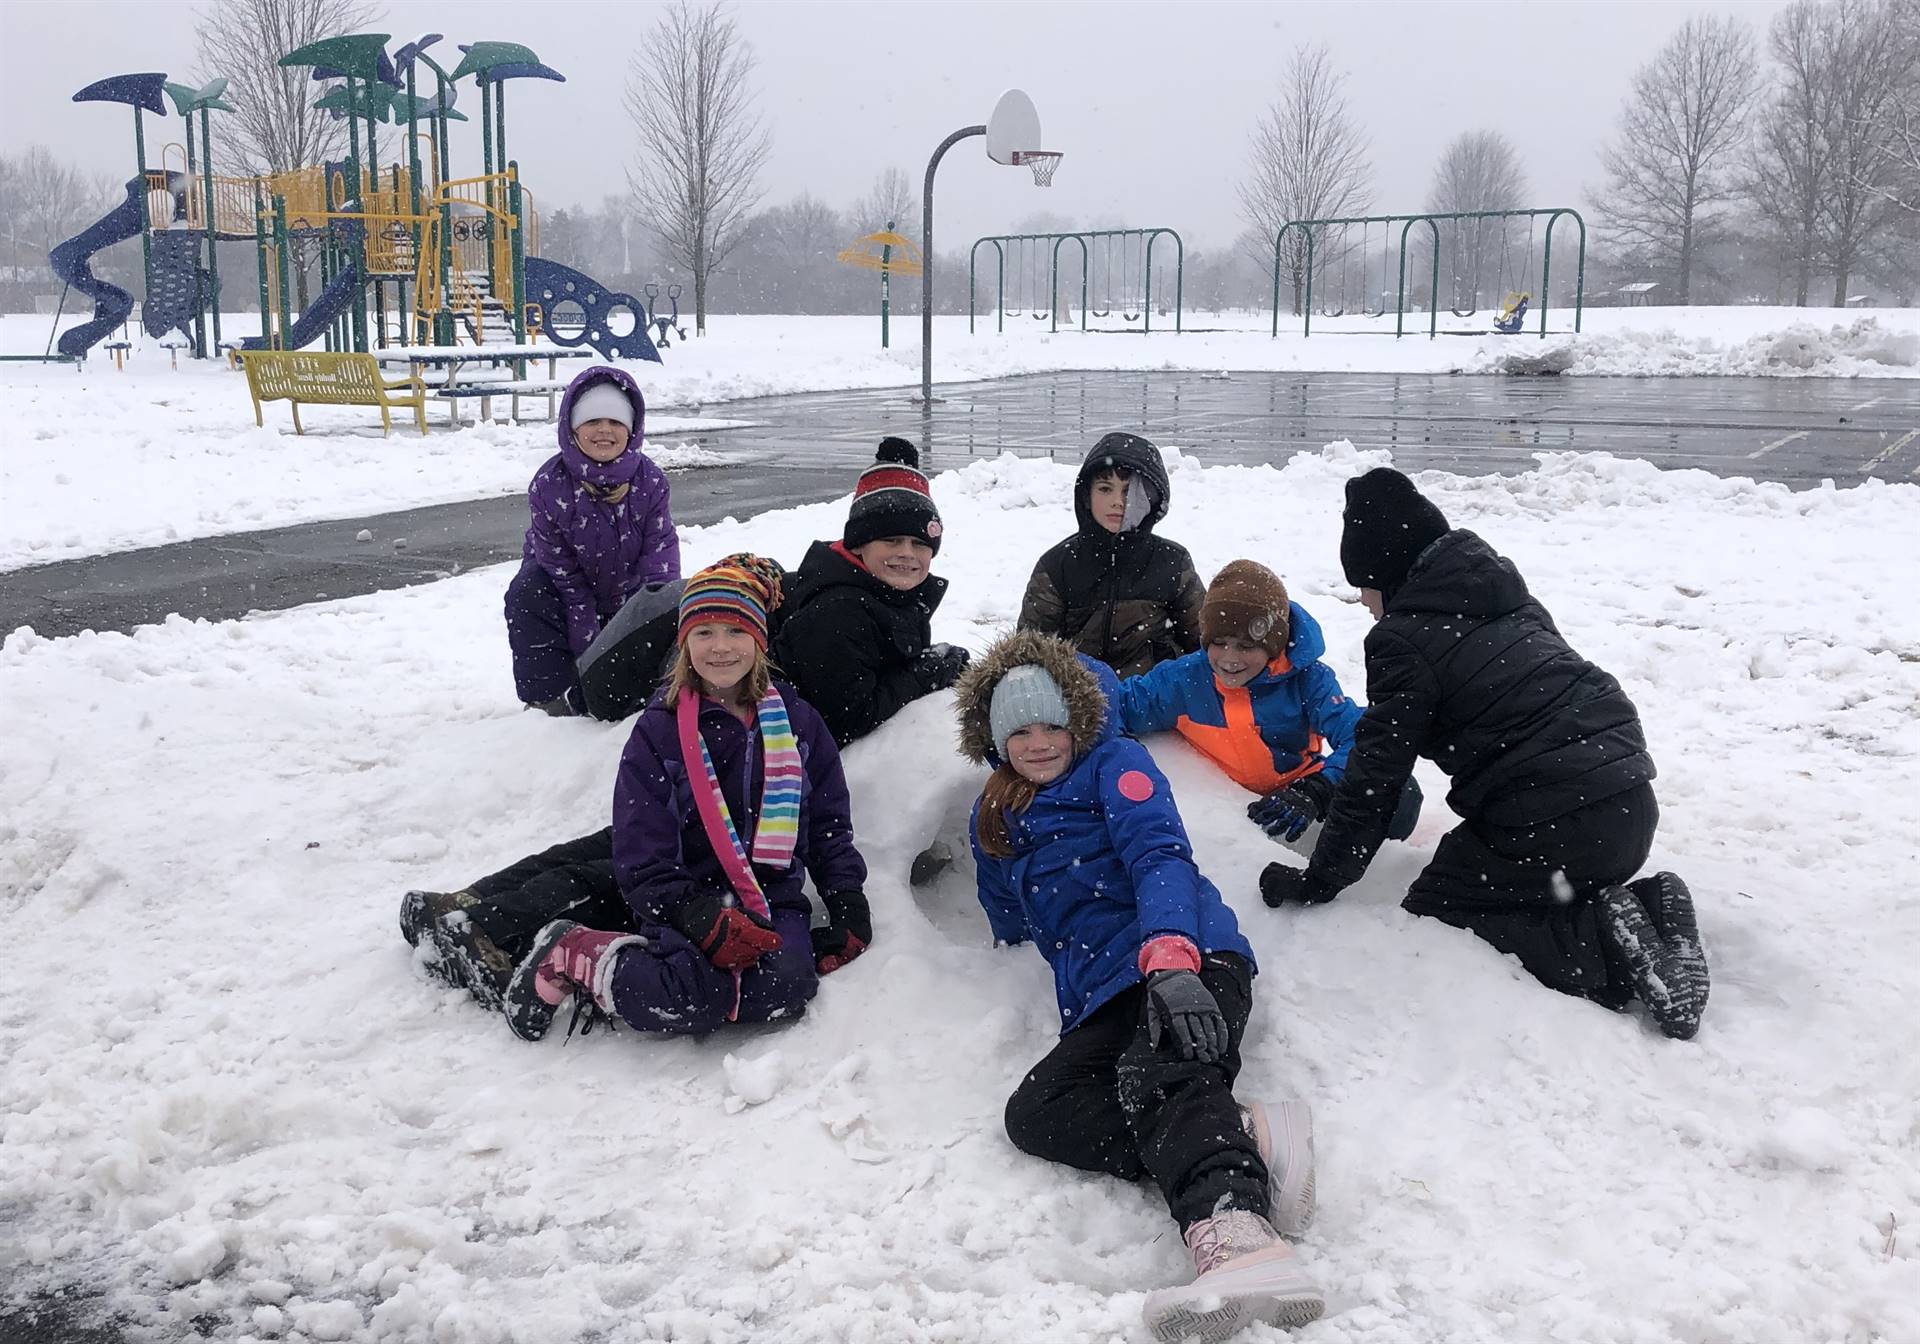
[1041,161]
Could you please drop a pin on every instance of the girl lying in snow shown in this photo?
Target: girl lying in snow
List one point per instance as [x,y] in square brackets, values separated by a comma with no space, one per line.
[599,531]
[728,789]
[1081,851]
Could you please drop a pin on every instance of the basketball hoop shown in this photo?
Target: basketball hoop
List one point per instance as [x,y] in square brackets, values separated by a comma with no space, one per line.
[1041,161]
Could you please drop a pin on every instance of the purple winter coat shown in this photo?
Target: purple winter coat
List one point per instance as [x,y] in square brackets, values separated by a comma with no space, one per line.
[600,554]
[661,857]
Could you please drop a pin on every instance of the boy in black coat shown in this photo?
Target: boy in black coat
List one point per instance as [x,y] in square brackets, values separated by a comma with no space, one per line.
[1113,590]
[1549,766]
[855,636]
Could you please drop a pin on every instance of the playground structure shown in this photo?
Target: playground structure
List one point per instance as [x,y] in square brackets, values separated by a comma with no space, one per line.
[874,252]
[408,254]
[1471,236]
[1116,270]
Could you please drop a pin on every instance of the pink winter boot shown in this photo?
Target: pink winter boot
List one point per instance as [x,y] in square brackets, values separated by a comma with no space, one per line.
[1243,1273]
[1283,1133]
[567,959]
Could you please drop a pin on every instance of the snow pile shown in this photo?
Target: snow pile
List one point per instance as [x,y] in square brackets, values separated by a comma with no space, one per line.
[1861,349]
[230,1098]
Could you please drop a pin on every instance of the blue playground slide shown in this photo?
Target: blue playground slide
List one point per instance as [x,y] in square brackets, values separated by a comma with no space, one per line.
[72,262]
[338,297]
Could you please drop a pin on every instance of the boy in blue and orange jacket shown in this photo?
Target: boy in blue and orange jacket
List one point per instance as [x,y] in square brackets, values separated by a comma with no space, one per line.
[1257,701]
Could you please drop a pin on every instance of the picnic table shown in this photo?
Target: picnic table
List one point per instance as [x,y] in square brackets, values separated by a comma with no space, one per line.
[453,359]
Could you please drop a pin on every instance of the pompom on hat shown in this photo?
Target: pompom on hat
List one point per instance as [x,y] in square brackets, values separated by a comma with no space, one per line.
[892,499]
[740,590]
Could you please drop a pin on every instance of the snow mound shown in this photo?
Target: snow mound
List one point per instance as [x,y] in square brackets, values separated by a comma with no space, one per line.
[1861,349]
[234,1107]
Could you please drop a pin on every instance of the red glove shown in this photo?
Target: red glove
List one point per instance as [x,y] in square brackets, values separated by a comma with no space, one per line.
[848,930]
[732,936]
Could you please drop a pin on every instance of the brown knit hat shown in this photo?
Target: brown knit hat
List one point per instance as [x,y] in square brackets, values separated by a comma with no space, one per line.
[1247,601]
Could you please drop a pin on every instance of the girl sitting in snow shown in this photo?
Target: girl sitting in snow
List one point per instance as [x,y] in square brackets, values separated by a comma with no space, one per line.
[600,531]
[729,787]
[1080,850]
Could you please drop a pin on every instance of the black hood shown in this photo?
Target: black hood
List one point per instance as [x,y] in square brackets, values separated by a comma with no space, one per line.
[1141,460]
[1461,575]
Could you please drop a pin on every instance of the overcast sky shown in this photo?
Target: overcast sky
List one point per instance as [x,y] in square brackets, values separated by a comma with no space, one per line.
[1152,102]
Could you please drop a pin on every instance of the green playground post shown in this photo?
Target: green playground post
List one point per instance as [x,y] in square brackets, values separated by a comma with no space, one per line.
[486,163]
[213,231]
[519,277]
[1179,279]
[146,232]
[1053,295]
[358,323]
[260,250]
[280,247]
[886,285]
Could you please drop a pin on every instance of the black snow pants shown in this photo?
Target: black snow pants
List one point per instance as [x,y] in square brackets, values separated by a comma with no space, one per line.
[1104,1100]
[572,880]
[1530,891]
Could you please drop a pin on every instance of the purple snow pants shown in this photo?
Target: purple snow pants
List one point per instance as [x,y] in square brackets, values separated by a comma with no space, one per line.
[669,987]
[543,666]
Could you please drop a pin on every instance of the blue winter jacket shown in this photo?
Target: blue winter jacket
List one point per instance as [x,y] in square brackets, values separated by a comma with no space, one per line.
[1101,864]
[1290,720]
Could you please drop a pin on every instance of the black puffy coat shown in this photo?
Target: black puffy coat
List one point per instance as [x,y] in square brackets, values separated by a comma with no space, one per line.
[849,643]
[1467,669]
[1129,599]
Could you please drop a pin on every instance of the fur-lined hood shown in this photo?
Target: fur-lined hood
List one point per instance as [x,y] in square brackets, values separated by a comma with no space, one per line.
[1089,708]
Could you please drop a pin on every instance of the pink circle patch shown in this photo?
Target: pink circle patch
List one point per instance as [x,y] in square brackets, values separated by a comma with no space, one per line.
[1135,787]
[933,529]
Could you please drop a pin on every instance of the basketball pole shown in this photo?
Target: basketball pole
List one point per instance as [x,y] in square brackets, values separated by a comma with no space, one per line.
[926,257]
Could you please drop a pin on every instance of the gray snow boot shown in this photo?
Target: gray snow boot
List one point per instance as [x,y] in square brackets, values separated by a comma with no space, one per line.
[1670,905]
[470,960]
[418,909]
[1283,1133]
[1661,978]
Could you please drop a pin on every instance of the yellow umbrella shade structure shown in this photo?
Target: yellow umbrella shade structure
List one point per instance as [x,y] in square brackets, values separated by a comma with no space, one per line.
[870,253]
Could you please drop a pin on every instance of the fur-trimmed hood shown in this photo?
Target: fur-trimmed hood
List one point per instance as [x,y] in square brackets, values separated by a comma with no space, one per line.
[1089,702]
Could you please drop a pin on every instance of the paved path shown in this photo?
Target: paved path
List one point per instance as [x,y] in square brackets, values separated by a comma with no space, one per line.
[809,447]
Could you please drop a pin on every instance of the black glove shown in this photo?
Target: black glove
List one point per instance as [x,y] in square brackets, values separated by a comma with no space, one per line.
[847,933]
[1180,1005]
[732,936]
[1280,884]
[1286,813]
[940,666]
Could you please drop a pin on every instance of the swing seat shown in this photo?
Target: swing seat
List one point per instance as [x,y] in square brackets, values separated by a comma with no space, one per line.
[1511,315]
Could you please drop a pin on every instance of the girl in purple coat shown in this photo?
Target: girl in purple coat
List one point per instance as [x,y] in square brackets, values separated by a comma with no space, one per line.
[730,787]
[600,531]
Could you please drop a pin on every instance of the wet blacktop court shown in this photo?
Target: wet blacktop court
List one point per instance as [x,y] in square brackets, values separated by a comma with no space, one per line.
[797,449]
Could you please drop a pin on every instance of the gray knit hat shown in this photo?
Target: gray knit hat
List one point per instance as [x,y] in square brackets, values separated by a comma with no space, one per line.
[1027,694]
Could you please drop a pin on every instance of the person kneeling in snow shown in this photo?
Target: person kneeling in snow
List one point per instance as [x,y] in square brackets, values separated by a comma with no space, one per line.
[1549,764]
[729,787]
[856,636]
[1080,850]
[1257,701]
[599,532]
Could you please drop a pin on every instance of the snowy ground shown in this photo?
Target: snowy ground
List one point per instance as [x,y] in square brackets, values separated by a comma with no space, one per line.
[101,459]
[231,1098]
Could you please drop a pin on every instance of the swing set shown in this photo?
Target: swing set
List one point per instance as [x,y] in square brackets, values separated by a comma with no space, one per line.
[1323,250]
[1116,273]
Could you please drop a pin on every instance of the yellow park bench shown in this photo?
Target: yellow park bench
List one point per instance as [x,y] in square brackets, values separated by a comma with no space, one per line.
[319,378]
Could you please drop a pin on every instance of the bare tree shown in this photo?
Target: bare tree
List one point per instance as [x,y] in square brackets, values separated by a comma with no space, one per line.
[1784,170]
[702,145]
[891,199]
[1872,57]
[1679,134]
[1309,162]
[274,126]
[1478,171]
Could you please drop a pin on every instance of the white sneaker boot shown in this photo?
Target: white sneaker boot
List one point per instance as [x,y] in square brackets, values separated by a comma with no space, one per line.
[1243,1273]
[1283,1133]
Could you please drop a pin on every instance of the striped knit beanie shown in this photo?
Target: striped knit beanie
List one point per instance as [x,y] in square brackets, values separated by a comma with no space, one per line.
[892,499]
[740,590]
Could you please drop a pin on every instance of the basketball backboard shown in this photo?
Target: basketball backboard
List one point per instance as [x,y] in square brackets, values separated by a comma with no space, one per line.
[1013,127]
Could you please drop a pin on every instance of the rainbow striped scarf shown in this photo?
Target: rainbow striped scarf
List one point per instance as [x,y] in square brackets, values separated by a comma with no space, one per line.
[782,771]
